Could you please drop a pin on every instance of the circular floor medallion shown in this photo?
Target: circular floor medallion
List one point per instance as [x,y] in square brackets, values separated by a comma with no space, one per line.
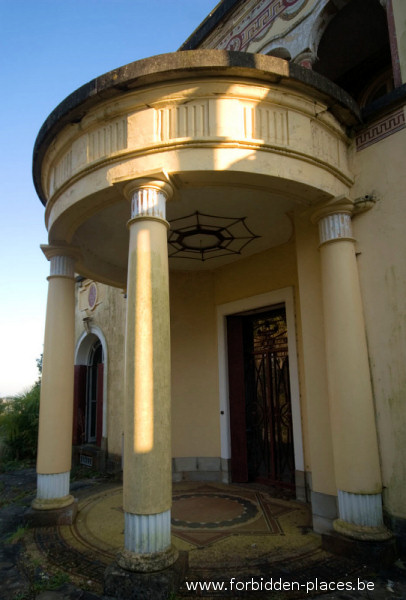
[208,511]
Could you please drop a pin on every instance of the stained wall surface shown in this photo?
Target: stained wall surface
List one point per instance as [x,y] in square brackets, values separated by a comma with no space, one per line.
[376,169]
[381,245]
[107,320]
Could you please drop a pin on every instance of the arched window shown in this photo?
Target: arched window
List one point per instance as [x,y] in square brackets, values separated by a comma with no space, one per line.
[280,52]
[88,400]
[354,51]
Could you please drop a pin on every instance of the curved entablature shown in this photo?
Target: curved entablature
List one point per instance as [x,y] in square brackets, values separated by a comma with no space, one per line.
[207,121]
[179,66]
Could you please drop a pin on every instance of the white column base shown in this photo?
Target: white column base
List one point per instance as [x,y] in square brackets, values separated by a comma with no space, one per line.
[147,543]
[147,534]
[52,486]
[361,517]
[360,509]
[52,491]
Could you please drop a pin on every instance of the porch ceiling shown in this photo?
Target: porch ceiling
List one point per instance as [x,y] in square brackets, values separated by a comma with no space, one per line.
[255,217]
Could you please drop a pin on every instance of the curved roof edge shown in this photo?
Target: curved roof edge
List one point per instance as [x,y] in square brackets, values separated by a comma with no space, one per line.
[215,16]
[177,65]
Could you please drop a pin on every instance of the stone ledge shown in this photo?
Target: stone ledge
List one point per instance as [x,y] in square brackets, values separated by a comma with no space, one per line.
[200,468]
[126,585]
[52,517]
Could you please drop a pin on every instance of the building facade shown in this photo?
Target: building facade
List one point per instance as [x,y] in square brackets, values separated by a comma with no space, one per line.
[227,269]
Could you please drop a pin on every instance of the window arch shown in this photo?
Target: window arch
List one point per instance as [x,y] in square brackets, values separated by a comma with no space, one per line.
[89,390]
[354,48]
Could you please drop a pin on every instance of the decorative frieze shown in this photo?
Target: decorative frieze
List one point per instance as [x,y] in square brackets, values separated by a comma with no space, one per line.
[253,23]
[223,115]
[267,124]
[182,121]
[62,171]
[107,139]
[381,129]
[325,145]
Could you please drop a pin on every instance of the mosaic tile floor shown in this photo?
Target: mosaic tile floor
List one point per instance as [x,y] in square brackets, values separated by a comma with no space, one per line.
[227,531]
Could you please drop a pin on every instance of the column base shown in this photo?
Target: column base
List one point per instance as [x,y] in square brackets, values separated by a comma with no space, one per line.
[376,553]
[123,584]
[147,562]
[47,513]
[52,503]
[362,532]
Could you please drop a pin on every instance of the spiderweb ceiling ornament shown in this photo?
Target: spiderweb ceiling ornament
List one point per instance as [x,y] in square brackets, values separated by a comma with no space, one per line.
[201,237]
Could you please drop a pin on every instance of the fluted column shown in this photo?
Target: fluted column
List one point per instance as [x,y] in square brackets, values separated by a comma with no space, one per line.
[56,402]
[353,426]
[147,478]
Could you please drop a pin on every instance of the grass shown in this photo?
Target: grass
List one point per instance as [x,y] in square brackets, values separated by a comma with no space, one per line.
[6,466]
[17,535]
[14,495]
[80,472]
[38,579]
[51,582]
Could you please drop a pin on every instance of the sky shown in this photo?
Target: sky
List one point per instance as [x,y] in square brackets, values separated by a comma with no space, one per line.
[48,48]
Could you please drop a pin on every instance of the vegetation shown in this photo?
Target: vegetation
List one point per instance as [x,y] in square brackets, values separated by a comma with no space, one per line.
[17,535]
[19,427]
[38,580]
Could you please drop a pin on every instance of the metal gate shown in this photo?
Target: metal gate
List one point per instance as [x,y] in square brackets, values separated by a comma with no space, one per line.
[268,402]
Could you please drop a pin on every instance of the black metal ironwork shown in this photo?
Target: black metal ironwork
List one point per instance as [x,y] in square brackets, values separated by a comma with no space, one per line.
[268,402]
[199,236]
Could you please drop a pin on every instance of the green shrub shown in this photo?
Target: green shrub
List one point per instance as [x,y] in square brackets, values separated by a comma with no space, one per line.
[19,426]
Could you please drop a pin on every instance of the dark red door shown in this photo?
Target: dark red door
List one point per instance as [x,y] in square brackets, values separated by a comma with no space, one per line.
[260,404]
[239,464]
[99,418]
[79,405]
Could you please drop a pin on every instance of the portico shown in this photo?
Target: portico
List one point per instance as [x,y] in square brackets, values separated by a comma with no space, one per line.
[241,155]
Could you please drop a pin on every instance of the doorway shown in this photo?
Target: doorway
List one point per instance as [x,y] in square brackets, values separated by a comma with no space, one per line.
[88,398]
[260,400]
[94,387]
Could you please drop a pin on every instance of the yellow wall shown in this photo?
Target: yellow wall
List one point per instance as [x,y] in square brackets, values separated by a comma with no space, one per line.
[109,316]
[195,396]
[194,296]
[314,390]
[260,273]
[380,234]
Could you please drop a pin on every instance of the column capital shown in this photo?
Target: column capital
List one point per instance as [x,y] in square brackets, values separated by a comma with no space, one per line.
[148,183]
[52,250]
[148,198]
[337,205]
[334,220]
[62,258]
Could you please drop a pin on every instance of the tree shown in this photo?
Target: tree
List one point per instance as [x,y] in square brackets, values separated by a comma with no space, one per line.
[19,419]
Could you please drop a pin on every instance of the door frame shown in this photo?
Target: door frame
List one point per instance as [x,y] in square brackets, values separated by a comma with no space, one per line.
[267,300]
[82,351]
[97,381]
